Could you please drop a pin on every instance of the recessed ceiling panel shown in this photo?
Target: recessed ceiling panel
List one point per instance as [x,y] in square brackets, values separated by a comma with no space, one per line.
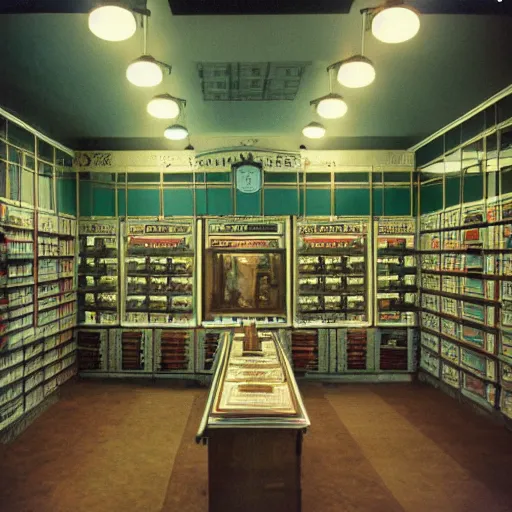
[250,81]
[202,7]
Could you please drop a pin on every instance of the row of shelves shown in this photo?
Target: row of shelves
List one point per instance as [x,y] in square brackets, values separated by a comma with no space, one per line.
[141,272]
[31,371]
[466,300]
[38,308]
[180,351]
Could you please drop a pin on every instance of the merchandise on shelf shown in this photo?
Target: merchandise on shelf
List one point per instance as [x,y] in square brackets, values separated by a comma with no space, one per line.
[174,350]
[92,350]
[159,268]
[133,349]
[332,270]
[430,362]
[207,344]
[357,349]
[394,349]
[461,325]
[305,357]
[450,375]
[395,271]
[98,272]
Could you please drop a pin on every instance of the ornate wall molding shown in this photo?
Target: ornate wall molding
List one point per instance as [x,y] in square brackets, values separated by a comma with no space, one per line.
[222,160]
[137,161]
[352,160]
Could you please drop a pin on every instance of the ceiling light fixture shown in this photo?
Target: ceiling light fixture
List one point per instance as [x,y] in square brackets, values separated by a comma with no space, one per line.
[395,23]
[332,106]
[165,106]
[356,71]
[112,23]
[313,131]
[146,71]
[176,132]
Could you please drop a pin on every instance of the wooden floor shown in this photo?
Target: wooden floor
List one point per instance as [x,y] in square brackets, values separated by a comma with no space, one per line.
[129,447]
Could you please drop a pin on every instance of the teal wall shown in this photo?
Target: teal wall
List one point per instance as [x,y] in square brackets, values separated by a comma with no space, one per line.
[214,193]
[31,168]
[457,189]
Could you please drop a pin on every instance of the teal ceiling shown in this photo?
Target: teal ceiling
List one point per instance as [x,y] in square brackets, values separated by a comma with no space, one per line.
[59,77]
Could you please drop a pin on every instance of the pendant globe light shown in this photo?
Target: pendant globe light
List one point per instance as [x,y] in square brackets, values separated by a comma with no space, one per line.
[146,71]
[358,70]
[176,132]
[395,23]
[313,131]
[112,23]
[331,106]
[165,106]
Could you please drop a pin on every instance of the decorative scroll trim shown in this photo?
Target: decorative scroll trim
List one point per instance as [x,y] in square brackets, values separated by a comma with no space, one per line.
[222,160]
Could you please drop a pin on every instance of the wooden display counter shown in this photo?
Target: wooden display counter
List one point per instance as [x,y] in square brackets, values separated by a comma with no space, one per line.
[253,424]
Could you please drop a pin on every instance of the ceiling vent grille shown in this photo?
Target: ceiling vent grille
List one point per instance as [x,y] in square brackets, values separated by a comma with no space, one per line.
[250,81]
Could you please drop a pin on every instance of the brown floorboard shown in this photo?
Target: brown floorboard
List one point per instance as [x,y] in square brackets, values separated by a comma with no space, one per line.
[481,447]
[336,475]
[188,486]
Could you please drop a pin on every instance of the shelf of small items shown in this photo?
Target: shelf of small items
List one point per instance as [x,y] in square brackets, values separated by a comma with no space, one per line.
[331,284]
[98,272]
[93,350]
[396,287]
[174,350]
[56,270]
[460,300]
[159,268]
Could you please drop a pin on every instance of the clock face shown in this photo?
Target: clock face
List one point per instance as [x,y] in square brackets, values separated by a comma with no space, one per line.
[248,179]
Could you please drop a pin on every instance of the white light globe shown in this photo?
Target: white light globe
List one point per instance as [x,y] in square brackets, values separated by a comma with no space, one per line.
[163,107]
[332,107]
[144,72]
[176,132]
[396,24]
[313,131]
[356,72]
[112,23]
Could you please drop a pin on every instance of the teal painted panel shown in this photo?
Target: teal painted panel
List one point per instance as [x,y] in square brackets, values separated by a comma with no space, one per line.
[121,202]
[66,195]
[85,196]
[201,202]
[378,201]
[281,177]
[218,177]
[103,201]
[219,201]
[281,201]
[178,201]
[473,187]
[179,178]
[431,198]
[318,177]
[452,190]
[352,201]
[352,177]
[318,202]
[397,201]
[143,202]
[248,204]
